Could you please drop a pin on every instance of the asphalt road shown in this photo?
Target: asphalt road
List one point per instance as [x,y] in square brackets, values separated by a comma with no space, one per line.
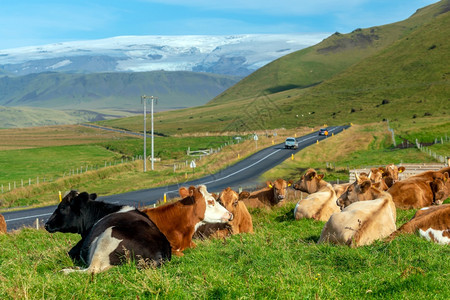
[243,174]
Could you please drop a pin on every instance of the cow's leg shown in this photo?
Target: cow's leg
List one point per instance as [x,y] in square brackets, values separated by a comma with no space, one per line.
[99,254]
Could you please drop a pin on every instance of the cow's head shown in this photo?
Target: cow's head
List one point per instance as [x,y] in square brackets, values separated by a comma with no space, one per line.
[392,171]
[230,199]
[357,191]
[207,208]
[68,215]
[309,182]
[375,175]
[279,188]
[441,189]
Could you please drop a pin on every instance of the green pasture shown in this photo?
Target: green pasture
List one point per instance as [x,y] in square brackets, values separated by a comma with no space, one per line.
[54,162]
[280,261]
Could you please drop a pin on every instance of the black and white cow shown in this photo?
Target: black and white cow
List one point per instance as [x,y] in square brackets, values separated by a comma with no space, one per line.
[110,234]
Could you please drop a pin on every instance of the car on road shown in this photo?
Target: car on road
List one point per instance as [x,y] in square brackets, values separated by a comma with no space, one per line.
[291,143]
[323,131]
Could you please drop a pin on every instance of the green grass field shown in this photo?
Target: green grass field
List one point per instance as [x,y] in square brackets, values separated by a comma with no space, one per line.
[281,260]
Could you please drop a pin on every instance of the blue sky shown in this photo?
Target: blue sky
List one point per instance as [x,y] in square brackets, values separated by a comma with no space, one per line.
[39,22]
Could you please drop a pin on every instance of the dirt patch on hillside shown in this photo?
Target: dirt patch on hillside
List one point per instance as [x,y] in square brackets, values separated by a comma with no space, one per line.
[357,39]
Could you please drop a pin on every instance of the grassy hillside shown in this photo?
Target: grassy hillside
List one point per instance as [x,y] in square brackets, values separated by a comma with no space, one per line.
[405,78]
[318,63]
[112,90]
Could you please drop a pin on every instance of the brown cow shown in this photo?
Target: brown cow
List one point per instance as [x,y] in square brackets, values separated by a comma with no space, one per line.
[361,190]
[362,222]
[421,190]
[178,221]
[272,195]
[321,203]
[2,224]
[432,223]
[232,201]
[392,171]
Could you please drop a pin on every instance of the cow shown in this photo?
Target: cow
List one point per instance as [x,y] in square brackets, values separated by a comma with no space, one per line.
[213,230]
[362,222]
[179,220]
[110,233]
[321,203]
[392,171]
[432,223]
[361,190]
[421,190]
[270,196]
[2,224]
[339,189]
[233,202]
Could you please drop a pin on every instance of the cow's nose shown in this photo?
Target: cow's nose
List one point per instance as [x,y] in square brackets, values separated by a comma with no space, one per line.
[230,218]
[281,197]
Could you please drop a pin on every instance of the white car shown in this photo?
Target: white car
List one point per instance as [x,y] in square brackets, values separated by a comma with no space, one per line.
[291,143]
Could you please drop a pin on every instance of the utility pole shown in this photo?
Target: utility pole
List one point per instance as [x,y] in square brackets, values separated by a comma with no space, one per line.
[144,101]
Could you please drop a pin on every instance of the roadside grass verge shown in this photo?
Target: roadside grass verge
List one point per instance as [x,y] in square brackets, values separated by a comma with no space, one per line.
[358,146]
[281,260]
[129,176]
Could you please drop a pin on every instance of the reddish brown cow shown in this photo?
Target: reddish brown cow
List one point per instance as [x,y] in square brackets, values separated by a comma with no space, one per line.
[2,224]
[321,203]
[178,221]
[232,201]
[392,171]
[432,223]
[272,195]
[421,190]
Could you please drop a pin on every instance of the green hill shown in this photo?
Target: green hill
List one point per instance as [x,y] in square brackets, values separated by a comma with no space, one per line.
[403,76]
[313,65]
[119,91]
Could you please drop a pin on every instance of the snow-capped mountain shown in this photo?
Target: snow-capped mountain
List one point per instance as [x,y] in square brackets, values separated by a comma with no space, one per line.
[232,55]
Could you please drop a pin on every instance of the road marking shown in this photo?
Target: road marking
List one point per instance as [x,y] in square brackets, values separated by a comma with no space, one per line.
[29,217]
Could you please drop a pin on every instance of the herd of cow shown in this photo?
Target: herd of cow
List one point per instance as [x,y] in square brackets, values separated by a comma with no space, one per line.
[355,213]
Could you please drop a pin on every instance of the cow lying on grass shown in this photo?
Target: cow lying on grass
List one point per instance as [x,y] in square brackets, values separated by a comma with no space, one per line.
[110,234]
[432,223]
[242,220]
[361,222]
[179,220]
[421,190]
[321,203]
[2,224]
[268,197]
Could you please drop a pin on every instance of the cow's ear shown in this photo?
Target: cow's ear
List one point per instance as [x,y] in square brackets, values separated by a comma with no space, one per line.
[310,175]
[93,196]
[269,184]
[193,189]
[320,176]
[364,187]
[401,169]
[434,186]
[183,192]
[244,195]
[215,196]
[84,196]
[382,170]
[446,176]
